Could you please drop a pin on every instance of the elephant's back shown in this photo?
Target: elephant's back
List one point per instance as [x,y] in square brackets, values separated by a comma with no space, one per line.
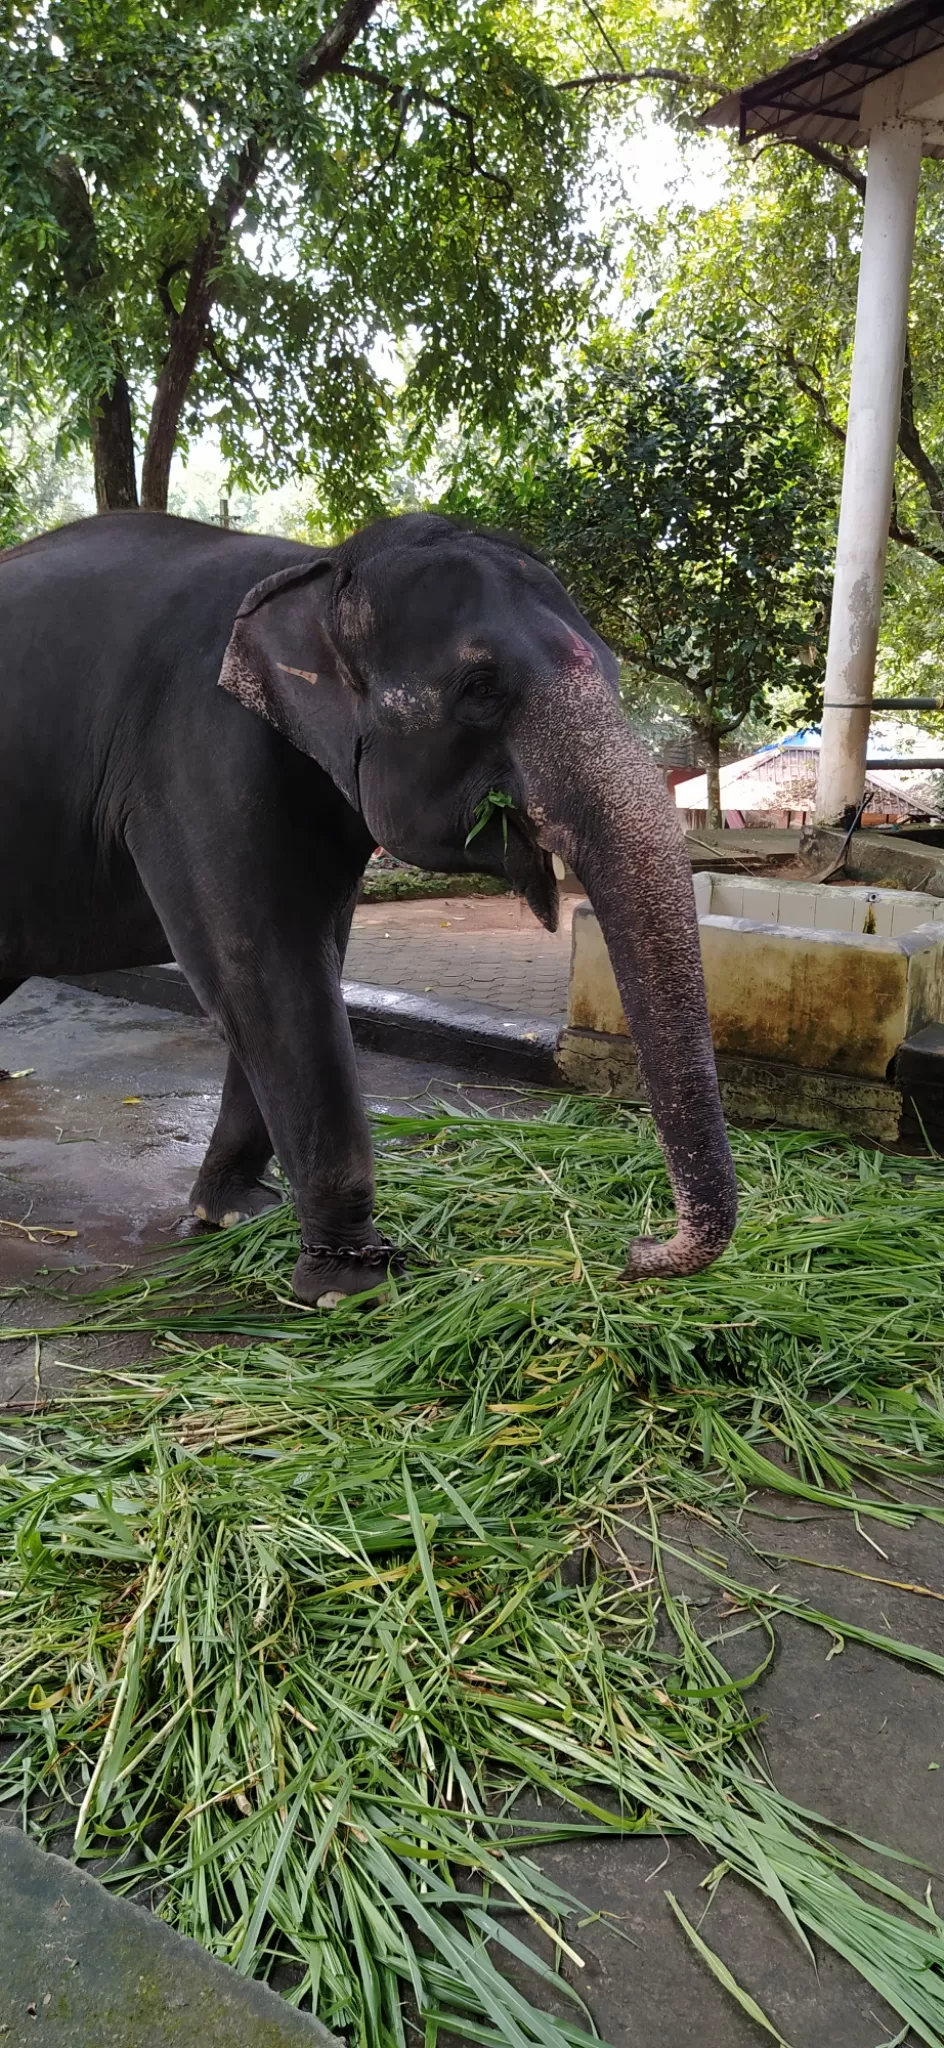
[111,636]
[122,596]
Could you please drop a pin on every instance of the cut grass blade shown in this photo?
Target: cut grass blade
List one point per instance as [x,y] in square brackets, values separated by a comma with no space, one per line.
[724,1976]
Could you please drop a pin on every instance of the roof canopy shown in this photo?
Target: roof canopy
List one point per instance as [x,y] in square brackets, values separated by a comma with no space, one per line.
[782,777]
[818,97]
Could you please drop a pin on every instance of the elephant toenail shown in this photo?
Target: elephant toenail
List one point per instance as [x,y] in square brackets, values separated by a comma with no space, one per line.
[200,1213]
[232,1216]
[332,1300]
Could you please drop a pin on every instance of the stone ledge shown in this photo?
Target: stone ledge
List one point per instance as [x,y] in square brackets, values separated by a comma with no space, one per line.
[85,1969]
[501,1044]
[752,1091]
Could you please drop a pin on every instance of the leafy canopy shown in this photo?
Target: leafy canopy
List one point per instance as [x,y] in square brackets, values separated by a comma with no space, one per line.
[676,490]
[427,187]
[780,247]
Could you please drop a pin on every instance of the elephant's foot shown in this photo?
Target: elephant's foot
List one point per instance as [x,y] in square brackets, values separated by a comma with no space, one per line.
[328,1275]
[221,1197]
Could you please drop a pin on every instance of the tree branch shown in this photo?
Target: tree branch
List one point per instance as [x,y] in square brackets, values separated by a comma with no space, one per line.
[242,383]
[332,46]
[655,75]
[189,332]
[661,668]
[806,380]
[403,94]
[602,30]
[80,255]
[907,538]
[170,271]
[912,448]
[909,442]
[327,55]
[828,159]
[110,412]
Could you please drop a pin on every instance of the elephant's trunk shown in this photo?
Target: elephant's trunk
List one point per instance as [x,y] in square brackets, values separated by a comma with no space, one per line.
[599,801]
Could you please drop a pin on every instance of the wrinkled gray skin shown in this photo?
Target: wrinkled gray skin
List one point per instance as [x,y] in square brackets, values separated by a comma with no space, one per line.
[462,665]
[406,673]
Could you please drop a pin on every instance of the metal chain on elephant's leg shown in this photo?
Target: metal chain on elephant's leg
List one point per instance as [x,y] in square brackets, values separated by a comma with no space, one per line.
[381,1254]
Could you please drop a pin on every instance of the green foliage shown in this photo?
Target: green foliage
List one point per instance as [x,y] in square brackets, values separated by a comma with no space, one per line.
[781,248]
[11,508]
[784,244]
[676,490]
[428,189]
[412,885]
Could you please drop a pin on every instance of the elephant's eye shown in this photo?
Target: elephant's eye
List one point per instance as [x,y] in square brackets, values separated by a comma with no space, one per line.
[482,687]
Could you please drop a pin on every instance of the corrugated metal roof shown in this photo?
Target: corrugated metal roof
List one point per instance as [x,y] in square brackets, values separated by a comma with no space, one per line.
[782,776]
[817,97]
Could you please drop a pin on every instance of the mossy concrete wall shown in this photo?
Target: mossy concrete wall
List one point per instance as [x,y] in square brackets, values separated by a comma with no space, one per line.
[753,1091]
[813,998]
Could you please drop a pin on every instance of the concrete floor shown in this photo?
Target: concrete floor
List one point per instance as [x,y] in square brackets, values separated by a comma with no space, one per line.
[855,1735]
[483,949]
[102,1138]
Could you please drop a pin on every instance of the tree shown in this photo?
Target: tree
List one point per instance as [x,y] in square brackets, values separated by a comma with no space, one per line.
[782,246]
[214,210]
[784,240]
[677,492]
[12,521]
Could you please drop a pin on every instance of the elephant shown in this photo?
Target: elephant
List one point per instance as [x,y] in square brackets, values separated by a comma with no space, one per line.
[205,733]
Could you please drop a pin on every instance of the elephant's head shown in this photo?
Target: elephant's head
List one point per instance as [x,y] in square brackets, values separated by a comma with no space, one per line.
[424,666]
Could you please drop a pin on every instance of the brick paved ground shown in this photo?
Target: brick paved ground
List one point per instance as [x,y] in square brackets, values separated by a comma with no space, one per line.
[482,949]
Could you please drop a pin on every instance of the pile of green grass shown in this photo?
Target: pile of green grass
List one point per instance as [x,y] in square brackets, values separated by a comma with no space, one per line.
[292,1617]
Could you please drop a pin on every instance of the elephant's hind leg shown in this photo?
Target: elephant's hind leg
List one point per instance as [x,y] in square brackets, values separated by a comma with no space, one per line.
[230,1186]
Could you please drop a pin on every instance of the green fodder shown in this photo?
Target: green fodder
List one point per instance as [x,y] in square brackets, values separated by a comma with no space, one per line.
[288,1625]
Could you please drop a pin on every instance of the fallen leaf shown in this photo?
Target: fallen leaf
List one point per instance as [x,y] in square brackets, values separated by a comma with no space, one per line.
[41,1702]
[129,1098]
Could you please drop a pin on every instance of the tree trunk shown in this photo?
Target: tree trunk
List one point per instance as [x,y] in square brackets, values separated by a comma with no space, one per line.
[712,746]
[116,488]
[169,398]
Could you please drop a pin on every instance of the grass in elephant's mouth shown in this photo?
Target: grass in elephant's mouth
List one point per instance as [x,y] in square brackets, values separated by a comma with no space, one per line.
[288,1625]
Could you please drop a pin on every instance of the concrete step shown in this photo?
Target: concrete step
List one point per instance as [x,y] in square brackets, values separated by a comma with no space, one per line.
[80,1968]
[495,1044]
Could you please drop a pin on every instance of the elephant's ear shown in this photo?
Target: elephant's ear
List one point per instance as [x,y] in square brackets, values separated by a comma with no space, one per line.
[282,663]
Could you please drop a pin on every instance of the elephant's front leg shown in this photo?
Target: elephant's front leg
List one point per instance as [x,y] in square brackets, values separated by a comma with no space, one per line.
[230,1185]
[299,1057]
[262,948]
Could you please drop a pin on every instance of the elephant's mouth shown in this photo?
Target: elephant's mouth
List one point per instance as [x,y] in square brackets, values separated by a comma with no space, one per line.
[508,845]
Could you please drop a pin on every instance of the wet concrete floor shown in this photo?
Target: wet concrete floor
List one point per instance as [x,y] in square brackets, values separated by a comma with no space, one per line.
[103,1125]
[104,1138]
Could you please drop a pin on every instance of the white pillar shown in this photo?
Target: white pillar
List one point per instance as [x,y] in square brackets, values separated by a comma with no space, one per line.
[868,471]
